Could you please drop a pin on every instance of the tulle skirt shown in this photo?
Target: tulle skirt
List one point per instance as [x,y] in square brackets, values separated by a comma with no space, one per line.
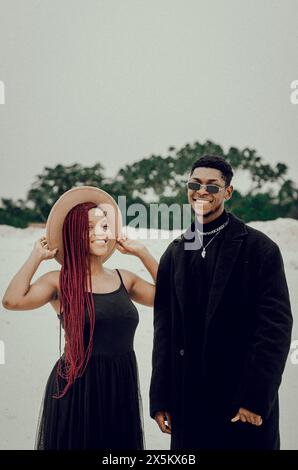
[101,410]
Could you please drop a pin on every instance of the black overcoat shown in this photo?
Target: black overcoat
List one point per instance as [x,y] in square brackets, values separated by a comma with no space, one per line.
[246,341]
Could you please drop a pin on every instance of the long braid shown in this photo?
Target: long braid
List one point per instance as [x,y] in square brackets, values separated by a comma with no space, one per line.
[75,281]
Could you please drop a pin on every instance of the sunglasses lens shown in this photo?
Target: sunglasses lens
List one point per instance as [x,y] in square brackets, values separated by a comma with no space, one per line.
[193,186]
[212,189]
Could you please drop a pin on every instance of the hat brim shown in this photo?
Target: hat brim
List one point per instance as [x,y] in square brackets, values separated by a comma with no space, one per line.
[68,200]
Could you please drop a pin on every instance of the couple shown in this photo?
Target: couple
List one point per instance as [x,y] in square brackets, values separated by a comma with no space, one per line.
[222,325]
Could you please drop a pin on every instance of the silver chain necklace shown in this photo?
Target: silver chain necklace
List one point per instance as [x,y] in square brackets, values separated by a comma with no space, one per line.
[218,230]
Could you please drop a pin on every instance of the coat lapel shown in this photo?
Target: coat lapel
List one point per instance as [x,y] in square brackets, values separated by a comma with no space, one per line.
[225,263]
[227,257]
[181,266]
[179,276]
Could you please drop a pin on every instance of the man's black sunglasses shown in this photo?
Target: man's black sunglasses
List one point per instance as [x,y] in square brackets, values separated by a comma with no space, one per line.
[210,188]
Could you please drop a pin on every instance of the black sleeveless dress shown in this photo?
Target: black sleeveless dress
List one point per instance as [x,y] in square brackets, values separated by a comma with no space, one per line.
[102,409]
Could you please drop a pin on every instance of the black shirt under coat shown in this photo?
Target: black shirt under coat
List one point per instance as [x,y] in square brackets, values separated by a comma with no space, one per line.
[199,275]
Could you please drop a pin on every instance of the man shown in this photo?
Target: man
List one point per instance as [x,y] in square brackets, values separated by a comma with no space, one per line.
[222,326]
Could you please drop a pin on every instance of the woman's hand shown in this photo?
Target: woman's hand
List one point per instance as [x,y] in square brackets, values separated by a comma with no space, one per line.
[140,290]
[42,251]
[130,247]
[20,293]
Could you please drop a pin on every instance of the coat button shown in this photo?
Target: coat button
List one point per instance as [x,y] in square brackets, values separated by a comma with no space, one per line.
[181,352]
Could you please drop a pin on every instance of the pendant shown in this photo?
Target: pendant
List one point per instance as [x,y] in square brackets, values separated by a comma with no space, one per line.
[203,253]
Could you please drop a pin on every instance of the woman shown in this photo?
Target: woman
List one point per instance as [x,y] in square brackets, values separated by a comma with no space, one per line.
[92,396]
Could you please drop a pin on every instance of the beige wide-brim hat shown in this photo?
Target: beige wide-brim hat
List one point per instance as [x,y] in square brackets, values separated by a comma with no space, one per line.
[68,200]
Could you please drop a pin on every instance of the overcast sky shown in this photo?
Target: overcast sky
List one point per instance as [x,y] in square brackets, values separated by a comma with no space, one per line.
[113,81]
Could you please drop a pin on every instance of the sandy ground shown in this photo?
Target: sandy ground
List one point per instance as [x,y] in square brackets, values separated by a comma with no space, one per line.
[31,341]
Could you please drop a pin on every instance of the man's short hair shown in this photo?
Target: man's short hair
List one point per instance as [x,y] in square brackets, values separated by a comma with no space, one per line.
[217,162]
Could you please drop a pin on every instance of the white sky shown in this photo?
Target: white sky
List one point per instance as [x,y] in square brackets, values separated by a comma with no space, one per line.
[113,81]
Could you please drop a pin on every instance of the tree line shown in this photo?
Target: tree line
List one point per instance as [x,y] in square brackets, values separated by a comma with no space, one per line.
[161,179]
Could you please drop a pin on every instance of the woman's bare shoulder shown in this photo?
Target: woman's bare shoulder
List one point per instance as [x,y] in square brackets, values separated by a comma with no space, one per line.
[128,277]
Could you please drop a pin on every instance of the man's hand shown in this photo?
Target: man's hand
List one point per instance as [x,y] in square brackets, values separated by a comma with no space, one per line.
[247,416]
[163,419]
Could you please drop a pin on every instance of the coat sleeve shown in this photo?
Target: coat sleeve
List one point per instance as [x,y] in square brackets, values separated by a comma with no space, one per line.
[271,339]
[160,387]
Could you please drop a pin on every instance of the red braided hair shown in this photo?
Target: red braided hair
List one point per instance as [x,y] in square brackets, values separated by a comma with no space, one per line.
[75,273]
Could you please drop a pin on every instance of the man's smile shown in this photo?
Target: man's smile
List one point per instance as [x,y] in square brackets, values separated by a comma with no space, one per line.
[200,200]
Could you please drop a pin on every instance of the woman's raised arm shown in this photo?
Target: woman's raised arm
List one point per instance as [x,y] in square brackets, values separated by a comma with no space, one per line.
[140,290]
[20,293]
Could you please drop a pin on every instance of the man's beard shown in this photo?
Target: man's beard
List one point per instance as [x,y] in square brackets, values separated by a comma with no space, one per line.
[212,211]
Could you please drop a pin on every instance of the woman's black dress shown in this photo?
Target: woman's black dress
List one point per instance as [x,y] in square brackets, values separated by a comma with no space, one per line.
[102,409]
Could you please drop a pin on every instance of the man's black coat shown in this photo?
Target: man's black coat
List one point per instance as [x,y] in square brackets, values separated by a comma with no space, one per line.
[245,343]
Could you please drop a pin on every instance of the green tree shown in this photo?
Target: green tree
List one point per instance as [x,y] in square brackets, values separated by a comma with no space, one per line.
[16,213]
[162,179]
[53,182]
[167,176]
